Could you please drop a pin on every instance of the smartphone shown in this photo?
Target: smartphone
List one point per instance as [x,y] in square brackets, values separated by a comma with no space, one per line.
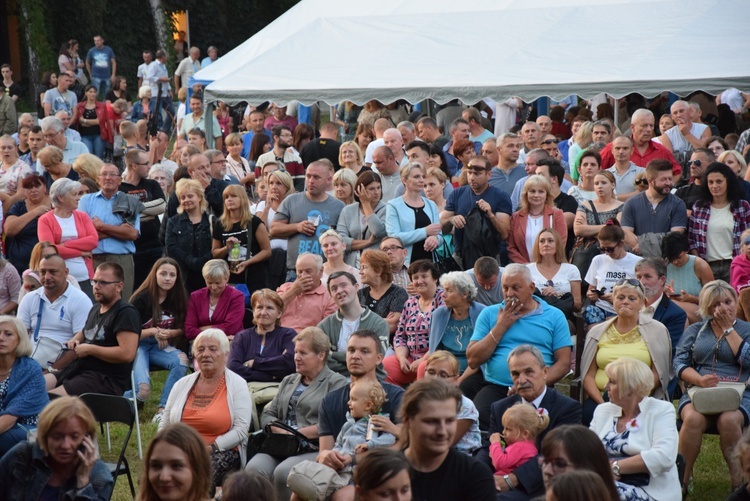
[82,447]
[600,292]
[673,294]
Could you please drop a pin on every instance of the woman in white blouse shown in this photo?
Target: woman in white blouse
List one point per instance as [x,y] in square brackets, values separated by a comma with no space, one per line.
[552,275]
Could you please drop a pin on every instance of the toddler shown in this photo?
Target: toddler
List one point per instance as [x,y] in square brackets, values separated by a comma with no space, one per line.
[521,425]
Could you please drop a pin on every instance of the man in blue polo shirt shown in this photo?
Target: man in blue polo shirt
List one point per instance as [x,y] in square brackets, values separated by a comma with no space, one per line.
[117,219]
[255,122]
[508,171]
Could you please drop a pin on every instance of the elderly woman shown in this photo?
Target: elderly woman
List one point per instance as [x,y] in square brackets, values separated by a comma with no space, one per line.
[719,217]
[638,433]
[368,207]
[297,403]
[453,323]
[142,107]
[215,402]
[686,273]
[537,211]
[65,463]
[710,352]
[556,279]
[215,306]
[71,230]
[413,218]
[627,334]
[21,221]
[344,181]
[188,235]
[88,166]
[412,339]
[378,292]
[238,166]
[242,239]
[161,175]
[51,158]
[351,157]
[12,170]
[22,393]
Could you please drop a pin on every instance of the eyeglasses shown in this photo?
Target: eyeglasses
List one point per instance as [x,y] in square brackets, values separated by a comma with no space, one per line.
[550,141]
[558,465]
[221,162]
[49,136]
[697,163]
[109,174]
[440,374]
[94,282]
[629,281]
[392,248]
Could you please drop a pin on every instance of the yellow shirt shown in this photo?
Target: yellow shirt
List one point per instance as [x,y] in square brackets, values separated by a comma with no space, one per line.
[613,345]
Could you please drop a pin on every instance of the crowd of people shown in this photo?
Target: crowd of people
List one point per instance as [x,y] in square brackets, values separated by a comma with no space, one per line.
[400,303]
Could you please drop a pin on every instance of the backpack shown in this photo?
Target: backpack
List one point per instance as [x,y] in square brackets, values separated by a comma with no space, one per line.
[480,238]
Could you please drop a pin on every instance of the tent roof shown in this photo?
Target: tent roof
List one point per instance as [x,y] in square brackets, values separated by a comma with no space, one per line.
[334,50]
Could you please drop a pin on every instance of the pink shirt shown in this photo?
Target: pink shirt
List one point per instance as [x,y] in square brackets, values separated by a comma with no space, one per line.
[516,454]
[307,309]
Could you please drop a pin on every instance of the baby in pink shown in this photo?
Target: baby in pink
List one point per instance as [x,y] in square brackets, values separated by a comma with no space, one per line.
[521,425]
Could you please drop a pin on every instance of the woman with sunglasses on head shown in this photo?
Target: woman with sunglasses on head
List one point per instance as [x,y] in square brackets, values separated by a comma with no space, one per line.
[719,217]
[606,269]
[627,334]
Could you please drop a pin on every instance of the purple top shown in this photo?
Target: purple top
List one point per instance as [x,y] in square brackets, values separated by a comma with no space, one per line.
[272,361]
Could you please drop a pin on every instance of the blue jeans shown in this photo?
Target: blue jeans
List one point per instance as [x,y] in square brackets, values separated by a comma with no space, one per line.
[95,144]
[169,358]
[102,86]
[10,438]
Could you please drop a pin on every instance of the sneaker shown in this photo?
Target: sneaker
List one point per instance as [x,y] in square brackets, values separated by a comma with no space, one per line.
[157,417]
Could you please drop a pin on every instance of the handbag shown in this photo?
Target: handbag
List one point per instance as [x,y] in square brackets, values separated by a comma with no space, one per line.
[585,249]
[279,445]
[563,302]
[315,481]
[445,260]
[724,397]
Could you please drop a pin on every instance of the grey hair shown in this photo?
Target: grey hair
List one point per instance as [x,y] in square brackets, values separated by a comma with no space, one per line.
[215,268]
[211,154]
[406,125]
[213,334]
[657,265]
[640,114]
[679,102]
[514,269]
[60,112]
[53,123]
[462,282]
[23,349]
[61,188]
[160,168]
[24,115]
[508,135]
[527,348]
[317,257]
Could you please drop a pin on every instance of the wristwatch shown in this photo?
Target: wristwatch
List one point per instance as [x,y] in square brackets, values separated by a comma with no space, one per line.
[727,331]
[507,481]
[616,469]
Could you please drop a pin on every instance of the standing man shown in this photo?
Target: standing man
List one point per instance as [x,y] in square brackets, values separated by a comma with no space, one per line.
[108,343]
[532,139]
[460,205]
[197,120]
[36,143]
[60,98]
[691,192]
[489,151]
[255,120]
[186,69]
[117,219]
[545,125]
[71,134]
[378,128]
[101,65]
[303,217]
[326,146]
[282,152]
[508,171]
[408,131]
[393,140]
[384,163]
[157,74]
[10,88]
[428,131]
[142,72]
[8,117]
[477,133]
[459,130]
[624,169]
[148,249]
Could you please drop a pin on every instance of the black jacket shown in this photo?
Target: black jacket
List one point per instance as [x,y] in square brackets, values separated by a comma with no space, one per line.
[190,246]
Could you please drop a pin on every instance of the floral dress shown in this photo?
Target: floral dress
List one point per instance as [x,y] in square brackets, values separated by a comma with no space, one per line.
[615,444]
[9,176]
[413,329]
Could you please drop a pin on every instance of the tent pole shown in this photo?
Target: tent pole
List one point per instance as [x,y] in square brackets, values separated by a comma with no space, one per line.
[209,113]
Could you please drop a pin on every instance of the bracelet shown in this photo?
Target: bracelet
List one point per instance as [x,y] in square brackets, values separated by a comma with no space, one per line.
[493,336]
[214,448]
[507,481]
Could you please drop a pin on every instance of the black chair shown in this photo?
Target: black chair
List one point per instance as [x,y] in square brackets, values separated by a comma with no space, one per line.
[114,409]
[247,320]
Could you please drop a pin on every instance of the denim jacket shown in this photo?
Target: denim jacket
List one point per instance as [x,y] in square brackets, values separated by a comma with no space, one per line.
[24,473]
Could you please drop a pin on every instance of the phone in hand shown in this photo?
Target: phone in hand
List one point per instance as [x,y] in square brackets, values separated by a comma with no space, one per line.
[600,292]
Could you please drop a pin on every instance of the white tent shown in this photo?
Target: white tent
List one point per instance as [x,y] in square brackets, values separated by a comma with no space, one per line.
[333,50]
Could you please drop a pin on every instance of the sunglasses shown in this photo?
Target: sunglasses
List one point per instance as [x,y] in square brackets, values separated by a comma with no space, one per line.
[697,163]
[550,141]
[608,250]
[629,281]
[639,182]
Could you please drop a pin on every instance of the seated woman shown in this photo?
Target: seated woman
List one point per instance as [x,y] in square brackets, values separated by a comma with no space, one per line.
[215,306]
[443,365]
[639,433]
[65,463]
[215,402]
[22,393]
[263,354]
[686,274]
[161,302]
[453,323]
[709,352]
[629,334]
[378,293]
[558,281]
[411,341]
[605,271]
[297,403]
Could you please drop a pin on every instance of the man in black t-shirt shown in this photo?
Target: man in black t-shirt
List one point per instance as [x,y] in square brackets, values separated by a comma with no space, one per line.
[325,146]
[107,345]
[135,182]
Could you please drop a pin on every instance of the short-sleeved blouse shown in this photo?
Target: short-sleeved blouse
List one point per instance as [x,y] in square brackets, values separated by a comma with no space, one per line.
[585,207]
[413,329]
[560,282]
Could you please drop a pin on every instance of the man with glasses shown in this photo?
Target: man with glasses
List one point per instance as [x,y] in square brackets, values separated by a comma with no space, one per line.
[56,310]
[394,247]
[136,183]
[282,152]
[478,194]
[117,219]
[698,163]
[219,167]
[529,374]
[53,133]
[107,345]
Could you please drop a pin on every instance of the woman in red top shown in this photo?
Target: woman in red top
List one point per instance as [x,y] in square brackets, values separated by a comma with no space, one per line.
[92,122]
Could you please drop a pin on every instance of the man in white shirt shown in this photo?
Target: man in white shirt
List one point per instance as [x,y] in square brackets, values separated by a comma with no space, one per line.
[61,308]
[378,128]
[142,72]
[686,135]
[384,163]
[393,140]
[187,68]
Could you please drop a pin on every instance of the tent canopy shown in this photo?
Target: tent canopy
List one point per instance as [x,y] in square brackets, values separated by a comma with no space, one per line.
[357,50]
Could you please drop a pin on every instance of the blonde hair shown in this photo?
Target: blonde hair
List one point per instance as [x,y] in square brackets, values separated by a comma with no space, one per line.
[443,356]
[88,165]
[633,377]
[357,152]
[24,344]
[536,256]
[737,156]
[437,174]
[316,338]
[50,155]
[215,268]
[535,181]
[284,178]
[410,166]
[233,139]
[375,393]
[245,215]
[185,185]
[59,410]
[712,292]
[527,419]
[330,232]
[583,137]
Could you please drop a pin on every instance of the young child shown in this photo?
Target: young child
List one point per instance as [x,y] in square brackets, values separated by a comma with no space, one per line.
[307,478]
[31,281]
[444,365]
[521,425]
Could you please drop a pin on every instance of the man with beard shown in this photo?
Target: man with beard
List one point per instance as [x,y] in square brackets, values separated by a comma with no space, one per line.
[529,374]
[349,317]
[649,215]
[652,274]
[699,161]
[282,139]
[107,345]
